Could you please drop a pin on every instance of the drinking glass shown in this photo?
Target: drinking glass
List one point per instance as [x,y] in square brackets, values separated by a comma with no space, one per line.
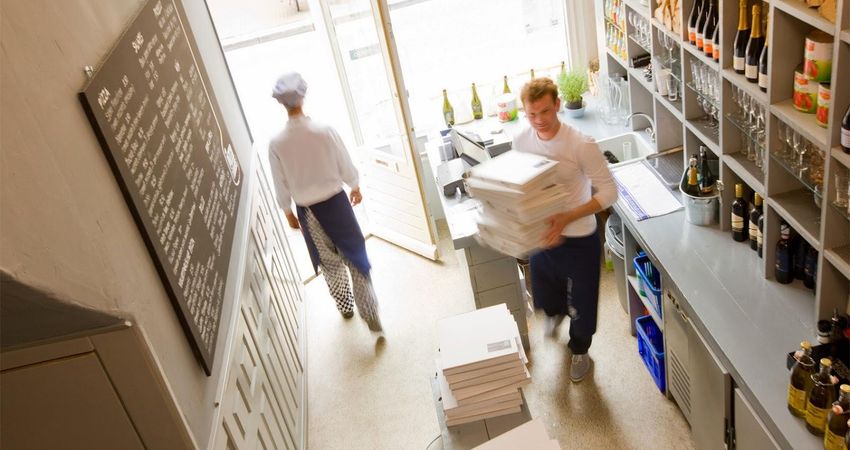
[627,151]
[842,185]
[789,142]
[672,89]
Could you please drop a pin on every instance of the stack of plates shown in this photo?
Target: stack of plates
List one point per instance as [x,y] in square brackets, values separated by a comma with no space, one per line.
[518,193]
[481,365]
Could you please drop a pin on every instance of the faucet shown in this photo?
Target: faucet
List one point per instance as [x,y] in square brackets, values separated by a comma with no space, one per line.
[651,130]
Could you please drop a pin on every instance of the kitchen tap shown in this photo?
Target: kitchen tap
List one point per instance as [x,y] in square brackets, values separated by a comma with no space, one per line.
[651,130]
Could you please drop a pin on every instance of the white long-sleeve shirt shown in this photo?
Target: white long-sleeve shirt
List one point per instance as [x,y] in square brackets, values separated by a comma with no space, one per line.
[309,163]
[582,168]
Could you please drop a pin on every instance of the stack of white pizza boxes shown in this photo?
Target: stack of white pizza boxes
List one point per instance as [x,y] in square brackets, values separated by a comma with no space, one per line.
[518,193]
[530,435]
[481,365]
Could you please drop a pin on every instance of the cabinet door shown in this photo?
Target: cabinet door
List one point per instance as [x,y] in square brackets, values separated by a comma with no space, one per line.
[678,353]
[711,388]
[750,433]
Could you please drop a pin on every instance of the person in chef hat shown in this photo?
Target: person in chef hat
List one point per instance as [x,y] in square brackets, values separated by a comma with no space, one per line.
[311,167]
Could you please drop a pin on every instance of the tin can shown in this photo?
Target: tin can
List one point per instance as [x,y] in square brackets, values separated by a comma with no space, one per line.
[805,92]
[818,56]
[822,114]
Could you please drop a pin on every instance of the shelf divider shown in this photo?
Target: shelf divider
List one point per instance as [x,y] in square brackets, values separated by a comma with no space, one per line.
[750,89]
[746,171]
[840,258]
[799,210]
[805,124]
[704,134]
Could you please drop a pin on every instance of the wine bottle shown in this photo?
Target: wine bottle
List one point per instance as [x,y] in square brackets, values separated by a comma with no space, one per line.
[716,44]
[506,89]
[845,132]
[477,111]
[708,30]
[741,39]
[563,71]
[801,380]
[760,236]
[763,65]
[784,270]
[448,111]
[836,421]
[739,215]
[755,215]
[801,249]
[810,268]
[707,181]
[820,398]
[532,70]
[703,17]
[693,18]
[692,188]
[754,48]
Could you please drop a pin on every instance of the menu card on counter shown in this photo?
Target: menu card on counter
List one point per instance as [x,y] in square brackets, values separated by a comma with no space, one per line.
[152,107]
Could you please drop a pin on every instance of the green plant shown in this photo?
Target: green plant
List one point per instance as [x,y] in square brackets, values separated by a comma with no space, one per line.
[572,85]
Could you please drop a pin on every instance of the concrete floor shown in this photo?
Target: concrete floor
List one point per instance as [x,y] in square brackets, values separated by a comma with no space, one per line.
[364,394]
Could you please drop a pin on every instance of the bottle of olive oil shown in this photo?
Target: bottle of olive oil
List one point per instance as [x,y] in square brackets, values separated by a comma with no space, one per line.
[820,399]
[506,89]
[477,111]
[448,111]
[836,422]
[801,380]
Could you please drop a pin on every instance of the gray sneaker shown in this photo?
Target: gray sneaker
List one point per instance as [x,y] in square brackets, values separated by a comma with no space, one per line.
[579,368]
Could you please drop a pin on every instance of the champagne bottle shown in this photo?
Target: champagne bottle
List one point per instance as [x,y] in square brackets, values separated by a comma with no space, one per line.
[836,422]
[692,188]
[703,17]
[477,111]
[820,398]
[739,215]
[693,18]
[708,30]
[754,48]
[741,39]
[716,45]
[763,65]
[755,215]
[707,181]
[784,270]
[506,89]
[801,380]
[448,111]
[845,132]
[760,236]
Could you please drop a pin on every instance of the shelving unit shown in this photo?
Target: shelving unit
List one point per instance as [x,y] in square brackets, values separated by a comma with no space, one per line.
[788,196]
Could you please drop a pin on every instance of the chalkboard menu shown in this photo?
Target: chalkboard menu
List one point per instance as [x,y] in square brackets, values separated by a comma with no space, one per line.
[155,115]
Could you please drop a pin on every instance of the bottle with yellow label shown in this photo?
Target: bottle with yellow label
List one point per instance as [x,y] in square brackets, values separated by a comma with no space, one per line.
[801,380]
[836,423]
[820,398]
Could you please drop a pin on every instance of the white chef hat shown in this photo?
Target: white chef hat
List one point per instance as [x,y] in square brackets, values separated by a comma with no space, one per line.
[290,89]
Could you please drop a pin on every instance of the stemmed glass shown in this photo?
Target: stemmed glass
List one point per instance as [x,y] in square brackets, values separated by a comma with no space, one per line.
[797,140]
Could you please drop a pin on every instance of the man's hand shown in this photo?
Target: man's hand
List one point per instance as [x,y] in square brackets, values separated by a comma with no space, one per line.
[293,221]
[553,238]
[355,196]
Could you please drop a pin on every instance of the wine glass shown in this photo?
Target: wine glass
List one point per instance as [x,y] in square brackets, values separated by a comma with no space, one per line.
[798,148]
[789,142]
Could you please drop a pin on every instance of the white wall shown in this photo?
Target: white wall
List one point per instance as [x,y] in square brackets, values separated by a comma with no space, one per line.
[66,228]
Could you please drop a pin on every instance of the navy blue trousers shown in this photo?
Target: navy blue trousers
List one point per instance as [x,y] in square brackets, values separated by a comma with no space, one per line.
[565,281]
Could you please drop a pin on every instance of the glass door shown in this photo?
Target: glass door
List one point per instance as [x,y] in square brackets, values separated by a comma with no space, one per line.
[367,61]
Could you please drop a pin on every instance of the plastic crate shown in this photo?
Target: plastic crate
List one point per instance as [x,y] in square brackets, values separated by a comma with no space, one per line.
[650,340]
[650,283]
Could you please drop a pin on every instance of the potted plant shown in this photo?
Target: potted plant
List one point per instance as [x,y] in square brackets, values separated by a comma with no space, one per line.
[573,85]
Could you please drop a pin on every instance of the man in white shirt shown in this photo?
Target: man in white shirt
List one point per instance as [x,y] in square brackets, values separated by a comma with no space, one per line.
[309,165]
[565,274]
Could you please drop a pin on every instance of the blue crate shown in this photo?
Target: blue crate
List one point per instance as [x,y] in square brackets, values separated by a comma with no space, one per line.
[650,340]
[650,283]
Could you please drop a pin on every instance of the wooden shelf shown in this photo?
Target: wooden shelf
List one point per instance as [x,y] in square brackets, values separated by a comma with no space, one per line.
[840,258]
[635,284]
[635,5]
[800,11]
[799,210]
[675,110]
[746,170]
[638,76]
[805,124]
[704,134]
[617,58]
[660,26]
[695,53]
[640,45]
[842,157]
[845,35]
[751,89]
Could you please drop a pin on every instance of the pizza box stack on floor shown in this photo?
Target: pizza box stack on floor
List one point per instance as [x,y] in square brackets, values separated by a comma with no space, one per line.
[518,193]
[481,365]
[531,434]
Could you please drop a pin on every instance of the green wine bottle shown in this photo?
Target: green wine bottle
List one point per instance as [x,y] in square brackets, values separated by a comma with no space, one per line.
[448,111]
[477,111]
